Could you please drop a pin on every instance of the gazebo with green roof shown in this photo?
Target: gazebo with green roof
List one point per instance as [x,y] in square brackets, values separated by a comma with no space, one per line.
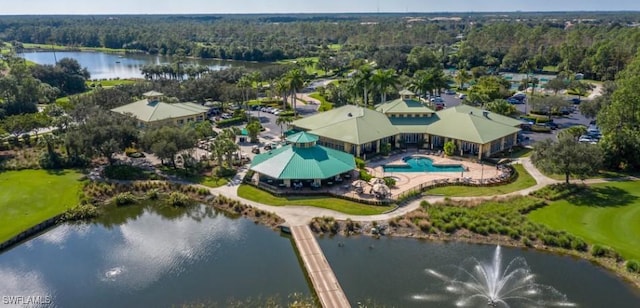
[302,160]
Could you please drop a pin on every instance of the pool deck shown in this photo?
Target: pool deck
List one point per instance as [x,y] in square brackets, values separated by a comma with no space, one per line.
[407,180]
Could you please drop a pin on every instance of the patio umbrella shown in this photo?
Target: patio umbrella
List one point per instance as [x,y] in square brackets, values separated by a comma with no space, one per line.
[381,189]
[374,181]
[359,184]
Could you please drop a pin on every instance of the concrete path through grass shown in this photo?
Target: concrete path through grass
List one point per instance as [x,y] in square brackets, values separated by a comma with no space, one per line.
[300,215]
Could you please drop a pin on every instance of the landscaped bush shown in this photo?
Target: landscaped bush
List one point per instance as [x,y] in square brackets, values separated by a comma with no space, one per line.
[222,172]
[389,181]
[230,122]
[286,114]
[365,176]
[179,199]
[124,198]
[633,266]
[360,163]
[80,212]
[540,129]
[125,172]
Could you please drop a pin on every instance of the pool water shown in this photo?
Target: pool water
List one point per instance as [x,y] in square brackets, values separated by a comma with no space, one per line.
[421,164]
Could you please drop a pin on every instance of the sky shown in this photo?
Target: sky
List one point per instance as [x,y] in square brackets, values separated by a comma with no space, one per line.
[37,7]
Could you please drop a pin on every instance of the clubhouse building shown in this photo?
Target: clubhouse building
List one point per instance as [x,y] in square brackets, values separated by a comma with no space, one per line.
[408,122]
[151,110]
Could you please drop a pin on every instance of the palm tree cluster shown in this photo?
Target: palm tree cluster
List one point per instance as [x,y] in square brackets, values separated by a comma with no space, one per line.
[223,147]
[173,71]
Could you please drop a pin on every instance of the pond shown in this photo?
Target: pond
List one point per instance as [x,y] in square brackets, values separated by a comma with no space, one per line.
[149,257]
[158,256]
[111,66]
[393,271]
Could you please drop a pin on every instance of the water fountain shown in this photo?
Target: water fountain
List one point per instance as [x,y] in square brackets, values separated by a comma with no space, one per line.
[478,283]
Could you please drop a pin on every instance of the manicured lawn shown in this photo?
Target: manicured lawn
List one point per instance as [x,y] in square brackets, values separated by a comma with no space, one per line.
[606,174]
[348,207]
[525,180]
[48,47]
[608,215]
[110,83]
[31,196]
[324,105]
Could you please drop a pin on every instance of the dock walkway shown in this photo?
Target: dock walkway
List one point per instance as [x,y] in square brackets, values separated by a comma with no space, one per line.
[324,281]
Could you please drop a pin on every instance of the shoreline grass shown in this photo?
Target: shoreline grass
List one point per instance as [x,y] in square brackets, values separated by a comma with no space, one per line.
[49,47]
[33,196]
[524,180]
[340,205]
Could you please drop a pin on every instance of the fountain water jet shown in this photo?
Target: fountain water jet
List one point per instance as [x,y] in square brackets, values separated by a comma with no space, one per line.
[477,283]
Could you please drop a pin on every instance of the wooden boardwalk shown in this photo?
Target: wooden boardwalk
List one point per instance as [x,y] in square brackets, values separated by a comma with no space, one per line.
[324,281]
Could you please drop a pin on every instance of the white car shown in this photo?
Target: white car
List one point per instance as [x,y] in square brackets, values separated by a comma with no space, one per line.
[585,138]
[462,96]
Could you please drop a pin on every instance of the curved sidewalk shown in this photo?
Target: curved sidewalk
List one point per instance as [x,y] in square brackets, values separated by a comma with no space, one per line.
[299,215]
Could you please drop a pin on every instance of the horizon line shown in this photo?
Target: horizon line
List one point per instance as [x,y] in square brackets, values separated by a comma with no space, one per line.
[322,13]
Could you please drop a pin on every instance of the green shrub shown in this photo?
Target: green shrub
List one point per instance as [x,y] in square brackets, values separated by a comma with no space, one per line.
[124,198]
[360,163]
[365,176]
[230,122]
[598,251]
[80,212]
[633,266]
[578,244]
[152,194]
[389,181]
[179,199]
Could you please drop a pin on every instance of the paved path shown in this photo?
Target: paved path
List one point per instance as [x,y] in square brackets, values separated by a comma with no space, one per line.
[301,215]
[324,281]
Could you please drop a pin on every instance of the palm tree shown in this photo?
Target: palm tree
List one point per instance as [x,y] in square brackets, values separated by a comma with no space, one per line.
[295,80]
[383,81]
[286,120]
[462,76]
[421,82]
[282,88]
[438,79]
[363,80]
[245,83]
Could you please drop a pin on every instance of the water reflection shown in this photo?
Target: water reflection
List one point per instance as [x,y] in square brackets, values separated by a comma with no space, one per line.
[153,255]
[109,66]
[150,248]
[21,282]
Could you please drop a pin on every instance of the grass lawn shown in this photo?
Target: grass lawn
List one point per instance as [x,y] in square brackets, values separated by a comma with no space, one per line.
[32,196]
[525,180]
[110,83]
[345,206]
[605,174]
[324,105]
[209,181]
[48,47]
[608,215]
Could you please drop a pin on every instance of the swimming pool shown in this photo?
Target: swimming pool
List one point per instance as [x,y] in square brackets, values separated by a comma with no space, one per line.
[421,164]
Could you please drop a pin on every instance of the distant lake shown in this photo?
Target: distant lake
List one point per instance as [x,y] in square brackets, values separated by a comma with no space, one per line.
[110,66]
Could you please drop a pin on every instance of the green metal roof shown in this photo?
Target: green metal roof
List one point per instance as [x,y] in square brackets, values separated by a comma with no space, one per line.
[302,137]
[316,162]
[150,111]
[403,106]
[471,124]
[351,124]
[412,125]
[152,94]
[405,92]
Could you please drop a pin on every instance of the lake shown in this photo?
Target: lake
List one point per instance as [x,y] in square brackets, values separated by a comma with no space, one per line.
[392,271]
[158,256]
[148,257]
[110,65]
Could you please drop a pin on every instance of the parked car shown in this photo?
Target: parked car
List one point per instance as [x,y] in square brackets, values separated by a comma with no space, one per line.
[462,96]
[575,100]
[551,125]
[450,92]
[513,100]
[586,138]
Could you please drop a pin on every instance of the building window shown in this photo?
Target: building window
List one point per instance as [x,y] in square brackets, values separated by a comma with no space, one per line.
[180,122]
